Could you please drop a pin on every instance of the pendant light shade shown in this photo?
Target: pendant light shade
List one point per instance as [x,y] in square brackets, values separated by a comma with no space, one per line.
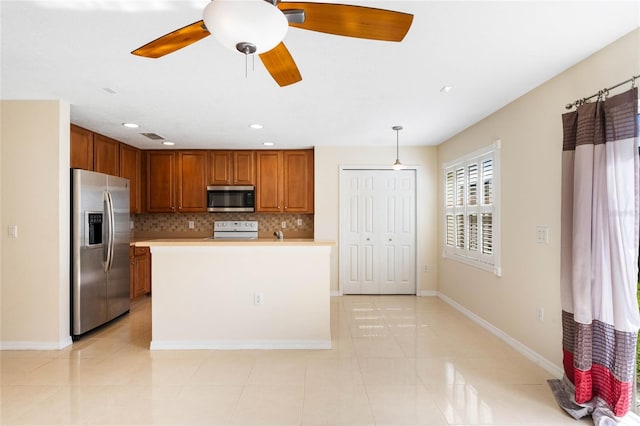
[250,26]
[397,165]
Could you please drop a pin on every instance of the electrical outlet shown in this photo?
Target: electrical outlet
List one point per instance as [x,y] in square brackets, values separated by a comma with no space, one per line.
[13,231]
[258,298]
[425,269]
[283,224]
[131,224]
[299,222]
[192,224]
[540,313]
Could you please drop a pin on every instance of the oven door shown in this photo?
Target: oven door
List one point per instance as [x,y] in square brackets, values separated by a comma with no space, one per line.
[230,199]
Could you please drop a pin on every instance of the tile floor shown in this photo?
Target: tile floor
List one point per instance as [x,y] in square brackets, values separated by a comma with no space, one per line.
[396,360]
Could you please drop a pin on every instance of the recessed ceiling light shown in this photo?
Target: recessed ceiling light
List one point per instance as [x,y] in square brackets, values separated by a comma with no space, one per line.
[268,143]
[256,126]
[168,143]
[130,125]
[446,89]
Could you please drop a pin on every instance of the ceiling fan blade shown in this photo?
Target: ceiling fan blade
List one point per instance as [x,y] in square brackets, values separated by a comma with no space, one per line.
[173,41]
[280,64]
[351,21]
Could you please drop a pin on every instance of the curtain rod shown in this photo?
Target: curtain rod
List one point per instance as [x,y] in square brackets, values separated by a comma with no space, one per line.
[582,101]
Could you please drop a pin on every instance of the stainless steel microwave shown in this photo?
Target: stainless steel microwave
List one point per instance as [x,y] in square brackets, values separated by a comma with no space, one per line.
[229,198]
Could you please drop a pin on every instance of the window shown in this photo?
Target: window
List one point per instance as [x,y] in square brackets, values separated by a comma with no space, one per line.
[471,209]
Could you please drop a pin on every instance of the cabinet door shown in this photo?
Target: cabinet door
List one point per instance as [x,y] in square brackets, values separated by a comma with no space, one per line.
[243,168]
[298,181]
[221,165]
[81,148]
[132,272]
[130,169]
[268,181]
[161,178]
[106,155]
[192,181]
[142,284]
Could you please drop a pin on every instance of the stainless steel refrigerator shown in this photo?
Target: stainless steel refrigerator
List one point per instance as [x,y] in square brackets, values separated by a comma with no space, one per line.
[99,249]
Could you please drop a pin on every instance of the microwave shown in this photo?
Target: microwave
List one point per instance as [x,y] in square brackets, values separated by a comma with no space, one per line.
[229,198]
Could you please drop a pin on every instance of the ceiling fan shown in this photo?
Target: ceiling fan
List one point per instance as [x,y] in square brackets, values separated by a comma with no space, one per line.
[258,26]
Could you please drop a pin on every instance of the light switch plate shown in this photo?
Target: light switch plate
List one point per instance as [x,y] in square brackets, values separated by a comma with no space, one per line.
[542,234]
[13,231]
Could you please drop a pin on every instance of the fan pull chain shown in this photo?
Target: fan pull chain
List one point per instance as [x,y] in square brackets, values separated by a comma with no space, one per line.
[246,64]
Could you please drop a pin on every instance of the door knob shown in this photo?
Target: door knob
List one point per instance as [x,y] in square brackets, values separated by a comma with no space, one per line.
[368,239]
[390,239]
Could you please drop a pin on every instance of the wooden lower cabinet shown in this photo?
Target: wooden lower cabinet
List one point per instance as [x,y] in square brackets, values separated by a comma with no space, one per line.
[140,272]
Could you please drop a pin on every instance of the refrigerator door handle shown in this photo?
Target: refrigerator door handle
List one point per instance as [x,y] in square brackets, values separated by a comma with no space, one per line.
[108,202]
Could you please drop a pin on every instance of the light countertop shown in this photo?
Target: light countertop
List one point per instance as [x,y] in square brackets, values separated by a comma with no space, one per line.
[230,242]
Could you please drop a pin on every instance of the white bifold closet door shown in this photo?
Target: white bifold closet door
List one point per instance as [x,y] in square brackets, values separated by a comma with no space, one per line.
[377,232]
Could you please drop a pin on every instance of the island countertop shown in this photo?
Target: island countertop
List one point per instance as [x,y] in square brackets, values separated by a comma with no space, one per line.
[175,242]
[240,294]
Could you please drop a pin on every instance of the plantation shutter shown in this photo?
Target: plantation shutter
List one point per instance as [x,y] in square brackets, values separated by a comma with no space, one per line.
[470,210]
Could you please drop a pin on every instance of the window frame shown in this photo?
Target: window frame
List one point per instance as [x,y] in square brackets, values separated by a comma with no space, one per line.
[456,242]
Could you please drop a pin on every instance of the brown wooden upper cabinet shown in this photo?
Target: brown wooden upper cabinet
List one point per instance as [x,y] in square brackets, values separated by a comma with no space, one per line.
[160,167]
[81,148]
[284,181]
[176,181]
[130,159]
[232,167]
[192,181]
[106,155]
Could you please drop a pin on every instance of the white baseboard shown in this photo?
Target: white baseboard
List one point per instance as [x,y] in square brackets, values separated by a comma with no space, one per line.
[35,346]
[427,293]
[523,349]
[240,344]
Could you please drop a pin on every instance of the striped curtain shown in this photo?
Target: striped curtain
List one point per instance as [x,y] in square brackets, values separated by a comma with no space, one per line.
[599,269]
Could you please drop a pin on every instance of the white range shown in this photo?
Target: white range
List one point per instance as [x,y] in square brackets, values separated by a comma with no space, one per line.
[229,229]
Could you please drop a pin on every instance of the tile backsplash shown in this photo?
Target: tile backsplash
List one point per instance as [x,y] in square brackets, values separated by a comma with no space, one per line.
[177,224]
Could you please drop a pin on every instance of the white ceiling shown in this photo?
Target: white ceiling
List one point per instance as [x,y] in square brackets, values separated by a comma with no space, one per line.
[352,91]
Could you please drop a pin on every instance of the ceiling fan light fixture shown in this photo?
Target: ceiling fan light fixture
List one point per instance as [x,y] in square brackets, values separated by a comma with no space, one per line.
[237,24]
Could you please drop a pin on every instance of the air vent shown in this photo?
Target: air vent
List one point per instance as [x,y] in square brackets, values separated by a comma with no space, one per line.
[153,136]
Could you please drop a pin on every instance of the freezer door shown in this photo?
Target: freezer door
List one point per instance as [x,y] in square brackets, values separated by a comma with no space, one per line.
[118,290]
[88,280]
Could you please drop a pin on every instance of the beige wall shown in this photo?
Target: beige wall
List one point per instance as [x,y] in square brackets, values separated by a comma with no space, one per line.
[327,183]
[531,132]
[35,196]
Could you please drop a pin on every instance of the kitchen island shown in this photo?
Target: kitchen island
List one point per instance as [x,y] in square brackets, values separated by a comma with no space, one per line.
[230,294]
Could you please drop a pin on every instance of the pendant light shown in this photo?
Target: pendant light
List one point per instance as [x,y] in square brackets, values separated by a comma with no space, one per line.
[397,165]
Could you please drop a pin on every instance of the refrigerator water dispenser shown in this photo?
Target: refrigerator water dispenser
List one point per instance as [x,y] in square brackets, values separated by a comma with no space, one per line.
[94,228]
